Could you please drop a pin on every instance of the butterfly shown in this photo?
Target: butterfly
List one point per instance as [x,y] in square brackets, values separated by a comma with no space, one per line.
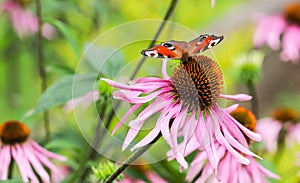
[182,50]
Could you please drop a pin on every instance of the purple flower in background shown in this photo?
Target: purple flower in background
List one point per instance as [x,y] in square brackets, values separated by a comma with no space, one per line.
[187,104]
[285,128]
[84,101]
[270,29]
[24,21]
[29,156]
[216,164]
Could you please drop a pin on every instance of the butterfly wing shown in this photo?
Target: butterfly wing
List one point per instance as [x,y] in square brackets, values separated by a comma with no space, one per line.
[202,43]
[169,49]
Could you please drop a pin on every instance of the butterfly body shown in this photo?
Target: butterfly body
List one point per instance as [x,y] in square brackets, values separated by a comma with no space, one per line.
[182,50]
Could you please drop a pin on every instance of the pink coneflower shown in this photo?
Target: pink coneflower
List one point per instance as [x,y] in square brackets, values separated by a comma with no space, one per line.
[30,157]
[202,170]
[270,29]
[285,128]
[24,21]
[187,103]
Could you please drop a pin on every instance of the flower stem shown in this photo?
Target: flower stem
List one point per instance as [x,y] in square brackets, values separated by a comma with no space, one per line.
[10,169]
[42,66]
[130,160]
[161,27]
[254,102]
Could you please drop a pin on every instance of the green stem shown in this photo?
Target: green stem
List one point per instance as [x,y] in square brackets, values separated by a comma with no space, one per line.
[81,171]
[42,65]
[10,169]
[161,27]
[130,160]
[254,101]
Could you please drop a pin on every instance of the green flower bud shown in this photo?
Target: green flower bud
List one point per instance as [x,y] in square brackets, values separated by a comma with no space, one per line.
[249,66]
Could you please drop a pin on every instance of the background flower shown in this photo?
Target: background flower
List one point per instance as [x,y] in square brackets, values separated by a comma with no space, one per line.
[271,28]
[30,157]
[24,21]
[285,129]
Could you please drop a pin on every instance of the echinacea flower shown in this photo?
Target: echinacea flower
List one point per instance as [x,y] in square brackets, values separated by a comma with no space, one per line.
[187,103]
[285,128]
[24,21]
[228,169]
[271,28]
[29,156]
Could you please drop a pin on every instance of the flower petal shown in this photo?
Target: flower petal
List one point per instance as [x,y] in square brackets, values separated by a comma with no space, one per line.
[238,97]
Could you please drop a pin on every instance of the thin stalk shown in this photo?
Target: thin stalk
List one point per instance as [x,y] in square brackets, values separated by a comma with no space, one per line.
[254,102]
[42,65]
[130,160]
[161,27]
[10,169]
[81,171]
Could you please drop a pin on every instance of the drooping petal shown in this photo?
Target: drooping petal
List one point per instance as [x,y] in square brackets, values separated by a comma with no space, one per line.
[23,164]
[125,117]
[47,153]
[38,167]
[5,159]
[238,97]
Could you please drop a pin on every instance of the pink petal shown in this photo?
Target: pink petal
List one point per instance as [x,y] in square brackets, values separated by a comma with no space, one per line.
[85,101]
[35,163]
[236,154]
[43,159]
[153,177]
[125,117]
[23,164]
[231,108]
[5,159]
[135,125]
[46,152]
[174,135]
[290,44]
[132,99]
[238,97]
[124,86]
[269,137]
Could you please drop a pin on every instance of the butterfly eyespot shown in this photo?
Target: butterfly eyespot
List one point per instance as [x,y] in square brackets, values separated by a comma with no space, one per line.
[201,39]
[168,45]
[151,54]
[214,43]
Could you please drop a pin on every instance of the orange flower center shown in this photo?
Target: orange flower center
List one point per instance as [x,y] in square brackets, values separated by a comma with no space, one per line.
[198,82]
[246,118]
[292,13]
[285,115]
[12,132]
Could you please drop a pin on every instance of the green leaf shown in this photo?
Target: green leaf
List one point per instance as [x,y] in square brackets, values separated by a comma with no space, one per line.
[107,61]
[64,89]
[61,144]
[68,34]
